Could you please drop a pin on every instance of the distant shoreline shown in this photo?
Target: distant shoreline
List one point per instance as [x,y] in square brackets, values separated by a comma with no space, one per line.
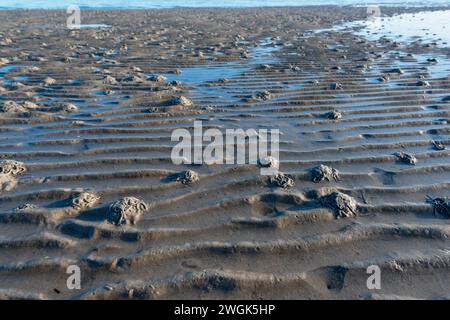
[115,8]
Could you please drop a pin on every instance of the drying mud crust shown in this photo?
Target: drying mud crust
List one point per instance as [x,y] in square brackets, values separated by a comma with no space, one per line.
[87,179]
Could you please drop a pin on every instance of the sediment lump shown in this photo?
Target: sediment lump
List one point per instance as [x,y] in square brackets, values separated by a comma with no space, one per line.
[282,180]
[406,158]
[110,80]
[335,86]
[384,78]
[438,145]
[268,162]
[67,108]
[12,107]
[26,207]
[343,205]
[48,81]
[9,169]
[440,206]
[157,78]
[12,167]
[264,95]
[187,177]
[333,115]
[323,172]
[422,83]
[84,200]
[126,211]
[180,101]
[396,70]
[3,61]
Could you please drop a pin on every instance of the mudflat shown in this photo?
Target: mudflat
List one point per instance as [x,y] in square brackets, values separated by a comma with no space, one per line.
[87,179]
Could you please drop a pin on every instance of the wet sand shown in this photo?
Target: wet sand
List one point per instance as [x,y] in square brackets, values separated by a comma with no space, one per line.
[87,116]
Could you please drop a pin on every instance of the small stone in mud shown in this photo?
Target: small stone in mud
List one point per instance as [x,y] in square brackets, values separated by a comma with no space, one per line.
[333,115]
[265,67]
[175,83]
[26,207]
[12,167]
[84,200]
[384,78]
[406,158]
[335,86]
[109,80]
[323,172]
[440,206]
[12,107]
[133,79]
[422,83]
[264,95]
[49,81]
[187,177]
[69,108]
[126,211]
[29,105]
[183,101]
[268,162]
[157,78]
[343,205]
[3,61]
[396,70]
[282,180]
[438,145]
[9,169]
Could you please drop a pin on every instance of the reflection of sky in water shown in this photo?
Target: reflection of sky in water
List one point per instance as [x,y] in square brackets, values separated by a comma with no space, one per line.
[198,3]
[428,26]
[199,76]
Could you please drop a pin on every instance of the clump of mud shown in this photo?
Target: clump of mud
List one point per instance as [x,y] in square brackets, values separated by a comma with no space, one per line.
[3,61]
[397,71]
[336,86]
[126,211]
[268,162]
[343,205]
[333,115]
[440,206]
[26,207]
[157,78]
[67,108]
[260,96]
[12,107]
[422,83]
[48,81]
[187,177]
[84,200]
[180,101]
[9,169]
[323,172]
[384,78]
[109,80]
[438,145]
[282,180]
[406,158]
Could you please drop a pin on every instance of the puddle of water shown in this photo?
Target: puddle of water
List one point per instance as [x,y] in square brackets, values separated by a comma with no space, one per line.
[5,69]
[200,76]
[428,26]
[94,25]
